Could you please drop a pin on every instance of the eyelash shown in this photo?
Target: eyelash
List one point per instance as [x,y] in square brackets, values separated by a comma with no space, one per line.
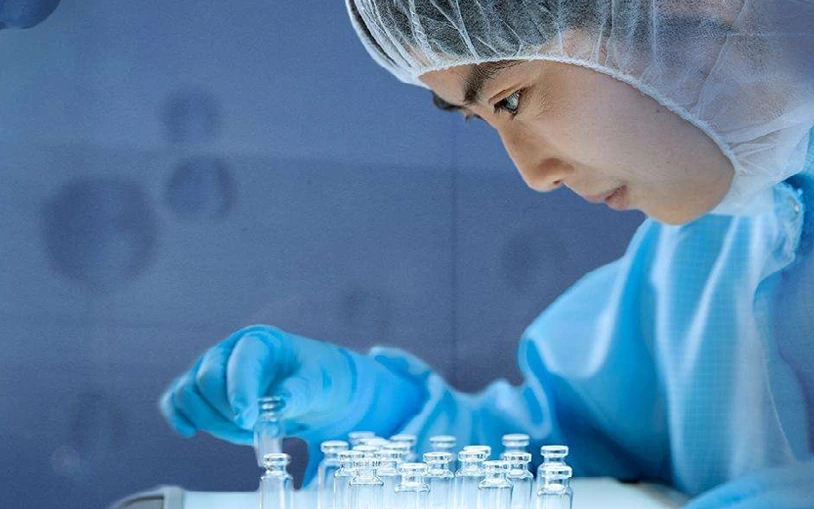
[502,105]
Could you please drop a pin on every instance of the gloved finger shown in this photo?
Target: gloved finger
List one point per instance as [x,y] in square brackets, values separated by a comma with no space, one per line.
[211,377]
[298,394]
[189,402]
[174,418]
[257,360]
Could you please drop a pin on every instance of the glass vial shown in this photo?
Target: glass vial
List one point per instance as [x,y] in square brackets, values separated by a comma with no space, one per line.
[389,460]
[445,443]
[515,442]
[377,442]
[552,455]
[482,448]
[468,477]
[412,492]
[555,492]
[521,479]
[402,448]
[440,479]
[410,456]
[342,478]
[355,437]
[368,451]
[495,490]
[268,430]
[366,489]
[325,473]
[276,485]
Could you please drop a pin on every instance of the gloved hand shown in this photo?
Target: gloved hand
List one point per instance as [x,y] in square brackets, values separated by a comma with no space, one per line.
[787,487]
[331,391]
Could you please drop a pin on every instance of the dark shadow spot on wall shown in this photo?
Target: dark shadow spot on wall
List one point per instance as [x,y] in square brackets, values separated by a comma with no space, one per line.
[100,232]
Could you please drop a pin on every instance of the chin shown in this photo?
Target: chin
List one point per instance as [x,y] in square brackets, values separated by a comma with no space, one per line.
[675,218]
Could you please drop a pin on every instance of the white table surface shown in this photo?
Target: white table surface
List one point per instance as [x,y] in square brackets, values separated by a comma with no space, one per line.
[589,493]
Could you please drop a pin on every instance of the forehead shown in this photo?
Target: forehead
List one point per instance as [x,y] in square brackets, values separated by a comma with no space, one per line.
[463,85]
[448,84]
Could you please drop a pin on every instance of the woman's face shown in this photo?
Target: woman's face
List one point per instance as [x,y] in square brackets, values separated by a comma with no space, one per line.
[566,125]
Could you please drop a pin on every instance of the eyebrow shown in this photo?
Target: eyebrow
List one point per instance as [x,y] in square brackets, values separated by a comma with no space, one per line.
[474,83]
[480,75]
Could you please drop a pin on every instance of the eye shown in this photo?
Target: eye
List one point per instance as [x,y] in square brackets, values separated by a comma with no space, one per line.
[469,116]
[511,104]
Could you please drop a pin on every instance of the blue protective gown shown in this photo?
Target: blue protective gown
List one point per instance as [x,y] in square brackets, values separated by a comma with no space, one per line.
[690,360]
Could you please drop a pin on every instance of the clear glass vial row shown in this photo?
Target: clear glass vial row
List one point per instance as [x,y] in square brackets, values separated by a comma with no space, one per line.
[462,490]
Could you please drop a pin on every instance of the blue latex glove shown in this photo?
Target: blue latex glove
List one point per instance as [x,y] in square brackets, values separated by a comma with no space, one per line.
[25,13]
[331,391]
[788,487]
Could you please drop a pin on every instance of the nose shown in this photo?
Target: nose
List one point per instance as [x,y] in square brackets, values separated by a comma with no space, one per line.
[535,161]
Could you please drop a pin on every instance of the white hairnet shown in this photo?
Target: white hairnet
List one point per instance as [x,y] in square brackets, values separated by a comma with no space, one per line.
[739,70]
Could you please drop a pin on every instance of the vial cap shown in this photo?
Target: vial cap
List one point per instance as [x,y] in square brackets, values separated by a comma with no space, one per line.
[276,460]
[405,438]
[482,448]
[355,436]
[402,447]
[333,446]
[517,457]
[271,403]
[348,457]
[444,441]
[437,458]
[388,454]
[376,442]
[468,455]
[413,469]
[496,466]
[367,462]
[516,440]
[367,451]
[557,472]
[554,451]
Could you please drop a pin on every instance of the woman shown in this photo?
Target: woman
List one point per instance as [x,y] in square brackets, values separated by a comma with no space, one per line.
[691,359]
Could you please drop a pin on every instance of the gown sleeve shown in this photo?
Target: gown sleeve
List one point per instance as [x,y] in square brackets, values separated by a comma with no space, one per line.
[659,366]
[589,380]
[787,487]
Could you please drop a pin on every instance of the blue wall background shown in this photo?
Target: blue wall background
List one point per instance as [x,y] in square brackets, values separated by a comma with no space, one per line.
[172,171]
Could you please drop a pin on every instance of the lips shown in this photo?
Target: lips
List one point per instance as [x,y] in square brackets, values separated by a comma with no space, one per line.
[599,198]
[615,198]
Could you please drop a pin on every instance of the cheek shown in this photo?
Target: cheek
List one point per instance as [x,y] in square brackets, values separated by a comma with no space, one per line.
[682,196]
[589,140]
[627,136]
[588,131]
[615,132]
